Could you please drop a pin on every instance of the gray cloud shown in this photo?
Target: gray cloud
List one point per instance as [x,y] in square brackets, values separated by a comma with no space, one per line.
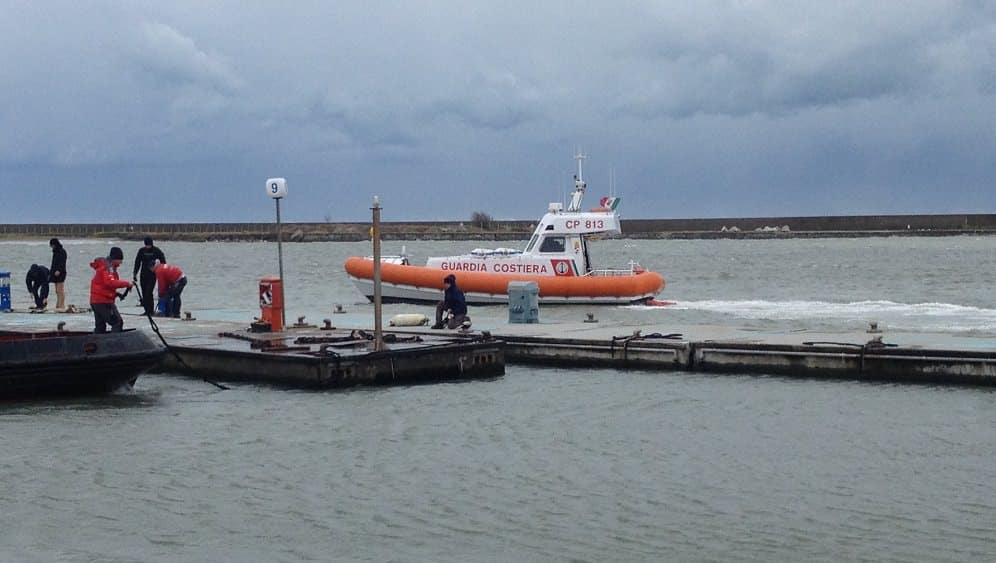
[765,107]
[747,60]
[173,60]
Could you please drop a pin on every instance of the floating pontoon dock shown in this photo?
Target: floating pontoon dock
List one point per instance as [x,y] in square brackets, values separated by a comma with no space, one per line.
[312,357]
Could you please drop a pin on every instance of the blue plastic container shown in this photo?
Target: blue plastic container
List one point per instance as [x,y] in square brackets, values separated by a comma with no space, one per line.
[162,309]
[5,291]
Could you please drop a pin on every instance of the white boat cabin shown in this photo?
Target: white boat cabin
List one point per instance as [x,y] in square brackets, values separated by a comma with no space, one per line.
[558,247]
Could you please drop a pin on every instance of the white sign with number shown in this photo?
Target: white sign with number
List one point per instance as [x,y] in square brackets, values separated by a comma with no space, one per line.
[276,187]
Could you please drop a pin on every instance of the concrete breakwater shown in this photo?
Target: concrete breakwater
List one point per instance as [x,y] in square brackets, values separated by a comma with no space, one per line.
[750,227]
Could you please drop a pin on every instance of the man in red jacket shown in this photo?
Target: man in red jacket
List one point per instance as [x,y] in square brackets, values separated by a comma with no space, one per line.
[103,289]
[171,281]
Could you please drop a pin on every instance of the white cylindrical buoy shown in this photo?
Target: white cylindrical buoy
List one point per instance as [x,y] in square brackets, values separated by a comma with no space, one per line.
[409,319]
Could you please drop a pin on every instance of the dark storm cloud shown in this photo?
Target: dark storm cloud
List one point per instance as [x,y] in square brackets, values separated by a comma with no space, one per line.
[709,108]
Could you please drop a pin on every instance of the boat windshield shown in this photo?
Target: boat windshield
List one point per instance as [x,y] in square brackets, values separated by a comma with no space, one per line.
[532,243]
[552,244]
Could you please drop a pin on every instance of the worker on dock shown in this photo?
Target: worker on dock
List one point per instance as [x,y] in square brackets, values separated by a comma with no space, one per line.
[58,273]
[144,259]
[104,288]
[37,281]
[171,281]
[451,312]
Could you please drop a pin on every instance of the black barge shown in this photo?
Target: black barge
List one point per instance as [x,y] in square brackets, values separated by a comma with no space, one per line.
[54,363]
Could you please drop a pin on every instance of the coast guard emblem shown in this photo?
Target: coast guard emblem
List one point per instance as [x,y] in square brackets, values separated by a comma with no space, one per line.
[562,267]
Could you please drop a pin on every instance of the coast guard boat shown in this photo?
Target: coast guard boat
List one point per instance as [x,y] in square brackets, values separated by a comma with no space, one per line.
[556,258]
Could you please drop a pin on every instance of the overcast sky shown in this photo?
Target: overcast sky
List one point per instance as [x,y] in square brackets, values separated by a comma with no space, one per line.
[179,111]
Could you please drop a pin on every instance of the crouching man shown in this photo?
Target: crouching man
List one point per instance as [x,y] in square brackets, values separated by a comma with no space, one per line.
[171,281]
[104,289]
[37,280]
[451,312]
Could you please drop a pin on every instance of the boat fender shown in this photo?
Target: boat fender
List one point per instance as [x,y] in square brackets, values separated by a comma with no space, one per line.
[409,319]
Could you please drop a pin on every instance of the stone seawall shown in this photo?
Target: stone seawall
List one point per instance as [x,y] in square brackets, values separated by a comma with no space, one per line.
[756,227]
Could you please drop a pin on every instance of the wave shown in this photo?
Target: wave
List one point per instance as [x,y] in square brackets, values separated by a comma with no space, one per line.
[918,316]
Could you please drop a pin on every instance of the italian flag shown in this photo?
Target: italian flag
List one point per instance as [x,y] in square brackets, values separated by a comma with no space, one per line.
[609,202]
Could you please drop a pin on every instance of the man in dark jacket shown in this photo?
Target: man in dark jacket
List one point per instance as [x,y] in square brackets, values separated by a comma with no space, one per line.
[144,260]
[58,273]
[37,280]
[453,307]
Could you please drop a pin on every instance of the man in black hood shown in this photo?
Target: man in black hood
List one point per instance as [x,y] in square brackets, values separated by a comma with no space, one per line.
[58,273]
[37,280]
[144,260]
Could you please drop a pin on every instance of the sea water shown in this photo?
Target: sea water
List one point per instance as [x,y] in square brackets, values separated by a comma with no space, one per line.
[541,464]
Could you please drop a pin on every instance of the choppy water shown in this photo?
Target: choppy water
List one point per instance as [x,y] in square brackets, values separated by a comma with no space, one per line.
[542,464]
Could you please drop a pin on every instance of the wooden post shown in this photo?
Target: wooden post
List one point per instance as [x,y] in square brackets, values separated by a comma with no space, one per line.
[375,234]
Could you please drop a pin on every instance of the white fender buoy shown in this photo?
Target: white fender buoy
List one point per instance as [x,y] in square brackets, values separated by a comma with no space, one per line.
[408,319]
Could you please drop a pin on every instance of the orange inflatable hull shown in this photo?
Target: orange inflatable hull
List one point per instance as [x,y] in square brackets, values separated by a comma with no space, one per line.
[638,286]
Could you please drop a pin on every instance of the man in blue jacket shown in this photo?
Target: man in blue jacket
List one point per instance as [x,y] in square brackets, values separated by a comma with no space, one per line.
[453,307]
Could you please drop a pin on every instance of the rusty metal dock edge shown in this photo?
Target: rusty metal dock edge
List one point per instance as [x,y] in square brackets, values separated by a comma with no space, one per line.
[455,361]
[838,361]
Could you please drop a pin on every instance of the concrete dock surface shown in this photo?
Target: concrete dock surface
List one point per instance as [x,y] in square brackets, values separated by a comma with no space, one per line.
[906,357]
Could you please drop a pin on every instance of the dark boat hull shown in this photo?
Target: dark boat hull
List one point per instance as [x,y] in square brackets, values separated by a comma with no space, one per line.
[73,363]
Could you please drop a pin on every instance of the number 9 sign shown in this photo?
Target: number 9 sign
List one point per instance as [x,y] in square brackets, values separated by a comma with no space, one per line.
[276,187]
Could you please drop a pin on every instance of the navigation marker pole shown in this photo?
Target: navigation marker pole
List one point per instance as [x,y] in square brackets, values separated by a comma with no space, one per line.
[277,189]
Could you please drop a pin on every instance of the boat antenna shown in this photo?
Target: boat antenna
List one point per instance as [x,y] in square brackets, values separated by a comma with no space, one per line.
[579,185]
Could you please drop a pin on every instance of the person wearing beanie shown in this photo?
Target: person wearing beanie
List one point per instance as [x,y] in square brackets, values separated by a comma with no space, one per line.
[144,259]
[58,273]
[37,280]
[171,281]
[453,307]
[104,288]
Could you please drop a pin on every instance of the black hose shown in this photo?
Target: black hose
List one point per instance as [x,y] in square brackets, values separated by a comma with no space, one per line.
[155,329]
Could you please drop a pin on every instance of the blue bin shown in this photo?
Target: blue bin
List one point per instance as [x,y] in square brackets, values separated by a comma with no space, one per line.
[163,308]
[5,291]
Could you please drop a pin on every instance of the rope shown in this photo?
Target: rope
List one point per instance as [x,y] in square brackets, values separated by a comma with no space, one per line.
[155,329]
